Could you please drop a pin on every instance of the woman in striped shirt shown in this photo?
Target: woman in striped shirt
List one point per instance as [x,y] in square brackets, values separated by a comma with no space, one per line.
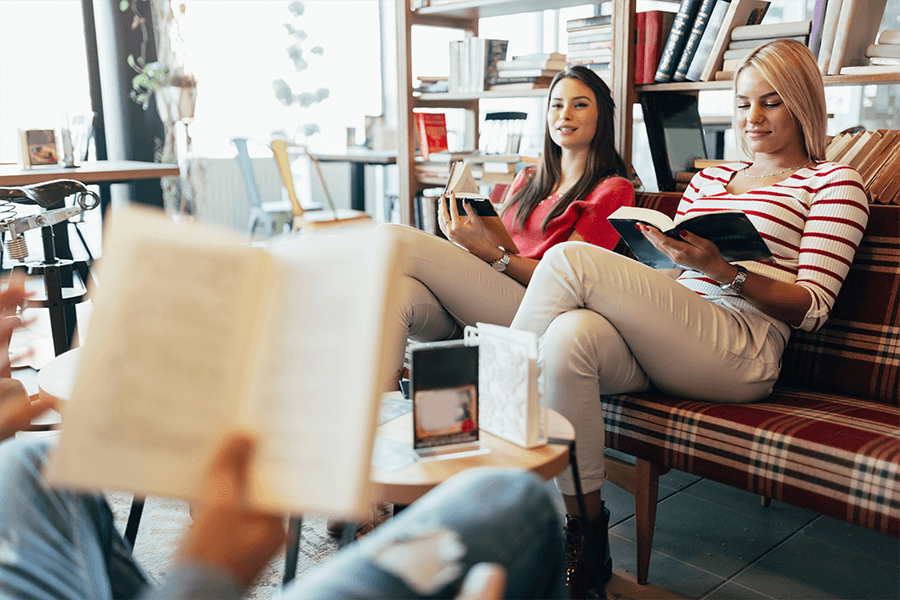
[713,331]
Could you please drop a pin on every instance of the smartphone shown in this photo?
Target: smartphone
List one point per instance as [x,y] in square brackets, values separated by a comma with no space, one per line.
[483,207]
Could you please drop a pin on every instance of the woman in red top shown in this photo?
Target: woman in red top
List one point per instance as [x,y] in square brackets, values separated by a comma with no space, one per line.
[567,197]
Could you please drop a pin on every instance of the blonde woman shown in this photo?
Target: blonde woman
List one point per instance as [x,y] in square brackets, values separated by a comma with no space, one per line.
[713,331]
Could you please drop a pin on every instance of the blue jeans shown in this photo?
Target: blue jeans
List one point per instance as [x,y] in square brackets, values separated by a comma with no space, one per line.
[58,544]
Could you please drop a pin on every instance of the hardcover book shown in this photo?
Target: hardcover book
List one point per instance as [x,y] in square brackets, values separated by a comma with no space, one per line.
[658,25]
[706,40]
[194,333]
[730,230]
[693,39]
[829,31]
[432,131]
[740,12]
[676,41]
[674,132]
[858,27]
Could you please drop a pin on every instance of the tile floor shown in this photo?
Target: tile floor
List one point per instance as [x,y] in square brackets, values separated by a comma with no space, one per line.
[716,542]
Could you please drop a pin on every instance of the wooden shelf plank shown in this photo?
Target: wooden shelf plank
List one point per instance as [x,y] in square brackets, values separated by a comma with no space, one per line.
[471,9]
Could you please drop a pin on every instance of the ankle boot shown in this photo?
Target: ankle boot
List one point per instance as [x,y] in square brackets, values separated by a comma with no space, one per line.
[580,580]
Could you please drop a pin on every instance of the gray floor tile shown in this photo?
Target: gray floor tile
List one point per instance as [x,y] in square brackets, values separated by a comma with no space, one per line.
[805,567]
[708,536]
[678,480]
[842,535]
[750,505]
[733,591]
[665,571]
[619,502]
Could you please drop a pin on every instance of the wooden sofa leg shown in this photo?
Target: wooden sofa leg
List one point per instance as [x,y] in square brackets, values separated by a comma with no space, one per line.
[646,494]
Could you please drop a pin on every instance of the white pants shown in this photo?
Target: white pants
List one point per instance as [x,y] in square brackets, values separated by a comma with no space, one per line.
[611,325]
[441,287]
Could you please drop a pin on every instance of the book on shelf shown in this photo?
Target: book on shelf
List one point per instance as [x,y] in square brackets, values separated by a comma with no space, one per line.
[871,70]
[729,65]
[883,51]
[730,230]
[462,183]
[576,46]
[698,26]
[874,155]
[888,36]
[520,73]
[473,61]
[541,56]
[706,40]
[753,43]
[668,61]
[771,30]
[592,63]
[447,156]
[214,335]
[674,133]
[518,64]
[723,76]
[830,25]
[519,83]
[859,22]
[432,132]
[740,12]
[739,53]
[591,34]
[599,55]
[640,46]
[817,27]
[878,60]
[588,22]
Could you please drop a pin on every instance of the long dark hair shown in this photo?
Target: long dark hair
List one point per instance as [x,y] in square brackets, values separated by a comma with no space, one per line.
[603,160]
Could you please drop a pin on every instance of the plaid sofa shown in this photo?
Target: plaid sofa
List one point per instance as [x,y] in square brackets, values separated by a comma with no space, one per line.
[827,438]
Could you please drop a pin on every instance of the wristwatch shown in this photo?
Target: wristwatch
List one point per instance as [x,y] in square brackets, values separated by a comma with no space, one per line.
[738,284]
[500,264]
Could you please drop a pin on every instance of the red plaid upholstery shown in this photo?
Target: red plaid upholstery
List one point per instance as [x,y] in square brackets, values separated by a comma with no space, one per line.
[828,438]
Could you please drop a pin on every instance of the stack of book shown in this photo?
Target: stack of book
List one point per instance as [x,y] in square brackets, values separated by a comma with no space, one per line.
[528,71]
[590,42]
[876,155]
[700,35]
[883,56]
[431,84]
[747,37]
[848,28]
[473,63]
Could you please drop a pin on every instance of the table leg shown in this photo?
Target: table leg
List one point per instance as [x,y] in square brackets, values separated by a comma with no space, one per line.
[358,186]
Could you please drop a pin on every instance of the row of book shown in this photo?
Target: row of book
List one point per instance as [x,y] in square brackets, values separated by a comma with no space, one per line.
[882,57]
[527,71]
[473,63]
[847,28]
[876,155]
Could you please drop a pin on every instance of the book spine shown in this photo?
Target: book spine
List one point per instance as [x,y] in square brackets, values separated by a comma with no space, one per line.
[590,45]
[495,51]
[818,23]
[590,35]
[585,22]
[659,24]
[883,50]
[773,30]
[706,41]
[676,41]
[693,40]
[829,31]
[432,129]
[741,12]
[640,46]
[889,36]
[594,52]
[751,44]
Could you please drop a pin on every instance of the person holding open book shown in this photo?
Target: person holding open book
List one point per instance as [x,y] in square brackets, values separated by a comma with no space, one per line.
[62,544]
[579,182]
[711,330]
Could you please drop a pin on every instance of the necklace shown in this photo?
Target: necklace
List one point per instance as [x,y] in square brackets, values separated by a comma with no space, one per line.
[746,174]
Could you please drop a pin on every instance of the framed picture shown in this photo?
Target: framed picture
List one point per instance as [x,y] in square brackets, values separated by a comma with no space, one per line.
[38,147]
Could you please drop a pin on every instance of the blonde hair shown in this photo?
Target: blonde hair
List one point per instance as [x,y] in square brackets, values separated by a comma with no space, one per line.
[791,69]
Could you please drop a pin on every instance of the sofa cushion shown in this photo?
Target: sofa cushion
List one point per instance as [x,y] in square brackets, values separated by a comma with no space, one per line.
[857,351]
[836,454]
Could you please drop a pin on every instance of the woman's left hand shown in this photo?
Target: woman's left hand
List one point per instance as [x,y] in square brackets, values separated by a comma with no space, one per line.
[464,230]
[691,252]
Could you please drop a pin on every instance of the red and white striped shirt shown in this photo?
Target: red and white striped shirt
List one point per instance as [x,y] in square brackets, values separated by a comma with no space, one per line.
[812,222]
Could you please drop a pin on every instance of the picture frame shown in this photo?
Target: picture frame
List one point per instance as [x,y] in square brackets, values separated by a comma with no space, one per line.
[38,147]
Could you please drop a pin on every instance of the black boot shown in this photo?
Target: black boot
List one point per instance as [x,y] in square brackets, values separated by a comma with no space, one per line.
[580,580]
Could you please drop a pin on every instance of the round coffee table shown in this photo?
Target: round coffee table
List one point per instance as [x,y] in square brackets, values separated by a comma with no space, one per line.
[408,484]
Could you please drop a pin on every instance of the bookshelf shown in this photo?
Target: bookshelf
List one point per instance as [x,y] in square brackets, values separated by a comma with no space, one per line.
[465,14]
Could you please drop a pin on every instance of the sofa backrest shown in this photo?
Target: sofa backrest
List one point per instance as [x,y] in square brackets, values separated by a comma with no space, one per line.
[857,351]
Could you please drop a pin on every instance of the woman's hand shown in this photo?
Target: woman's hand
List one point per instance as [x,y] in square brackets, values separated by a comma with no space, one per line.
[227,534]
[692,252]
[466,230]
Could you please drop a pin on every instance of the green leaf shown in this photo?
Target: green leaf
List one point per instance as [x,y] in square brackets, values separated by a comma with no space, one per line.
[131,62]
[123,5]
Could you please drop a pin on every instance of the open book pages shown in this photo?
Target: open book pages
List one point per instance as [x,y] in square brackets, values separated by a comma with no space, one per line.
[730,230]
[194,333]
[462,183]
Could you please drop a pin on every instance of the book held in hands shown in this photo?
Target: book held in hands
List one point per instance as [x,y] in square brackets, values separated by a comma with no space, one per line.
[730,230]
[194,333]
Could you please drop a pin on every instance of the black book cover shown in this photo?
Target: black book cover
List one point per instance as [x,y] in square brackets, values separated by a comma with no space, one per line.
[730,230]
[676,41]
[693,39]
[675,134]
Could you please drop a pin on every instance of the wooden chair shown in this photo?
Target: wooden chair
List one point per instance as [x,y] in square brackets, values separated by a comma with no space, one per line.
[305,219]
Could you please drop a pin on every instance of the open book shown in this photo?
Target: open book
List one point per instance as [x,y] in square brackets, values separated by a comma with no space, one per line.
[462,183]
[194,333]
[730,230]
